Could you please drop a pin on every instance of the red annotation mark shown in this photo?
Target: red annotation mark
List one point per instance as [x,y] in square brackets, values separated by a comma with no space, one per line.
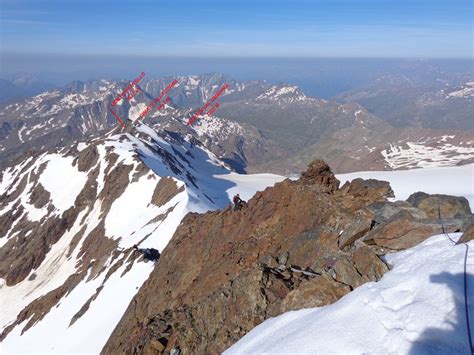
[158,99]
[206,106]
[117,118]
[123,94]
[128,88]
[129,96]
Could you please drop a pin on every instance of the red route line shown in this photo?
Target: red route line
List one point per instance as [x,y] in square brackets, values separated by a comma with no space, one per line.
[148,108]
[157,99]
[195,117]
[117,118]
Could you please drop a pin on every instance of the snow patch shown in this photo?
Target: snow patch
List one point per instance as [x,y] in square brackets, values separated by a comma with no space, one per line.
[63,181]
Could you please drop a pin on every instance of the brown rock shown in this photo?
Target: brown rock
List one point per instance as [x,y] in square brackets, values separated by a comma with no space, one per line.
[153,347]
[368,263]
[165,190]
[318,172]
[315,292]
[87,158]
[39,196]
[370,189]
[403,231]
[29,252]
[468,234]
[384,210]
[356,229]
[346,273]
[225,272]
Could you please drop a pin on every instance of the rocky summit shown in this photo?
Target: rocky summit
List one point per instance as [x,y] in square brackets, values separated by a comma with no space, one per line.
[301,243]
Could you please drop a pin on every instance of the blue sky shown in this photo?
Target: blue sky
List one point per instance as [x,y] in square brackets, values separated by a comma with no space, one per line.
[205,28]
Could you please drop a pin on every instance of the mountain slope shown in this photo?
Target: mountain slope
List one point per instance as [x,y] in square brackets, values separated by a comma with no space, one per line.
[69,220]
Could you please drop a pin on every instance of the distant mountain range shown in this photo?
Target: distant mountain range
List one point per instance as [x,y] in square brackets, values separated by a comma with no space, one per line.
[442,103]
[20,86]
[260,126]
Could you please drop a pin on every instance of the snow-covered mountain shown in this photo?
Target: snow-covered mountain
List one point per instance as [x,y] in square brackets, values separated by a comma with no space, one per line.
[258,126]
[434,100]
[70,218]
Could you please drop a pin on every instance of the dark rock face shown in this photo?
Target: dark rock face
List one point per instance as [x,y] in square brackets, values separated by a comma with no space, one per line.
[296,245]
[39,197]
[87,158]
[165,190]
[402,231]
[15,266]
[355,229]
[385,210]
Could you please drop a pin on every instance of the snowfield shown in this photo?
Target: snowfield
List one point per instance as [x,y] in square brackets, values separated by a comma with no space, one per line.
[417,308]
[418,155]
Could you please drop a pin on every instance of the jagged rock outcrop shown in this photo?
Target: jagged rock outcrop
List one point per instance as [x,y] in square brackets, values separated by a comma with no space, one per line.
[298,244]
[318,172]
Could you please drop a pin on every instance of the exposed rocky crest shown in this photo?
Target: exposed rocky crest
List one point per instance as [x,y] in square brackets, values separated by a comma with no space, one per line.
[298,244]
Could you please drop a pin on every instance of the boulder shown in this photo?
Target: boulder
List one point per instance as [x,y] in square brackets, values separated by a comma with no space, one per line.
[315,292]
[356,229]
[370,189]
[403,231]
[368,263]
[440,206]
[346,273]
[385,210]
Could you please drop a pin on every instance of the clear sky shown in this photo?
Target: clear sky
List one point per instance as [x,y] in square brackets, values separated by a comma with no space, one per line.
[295,28]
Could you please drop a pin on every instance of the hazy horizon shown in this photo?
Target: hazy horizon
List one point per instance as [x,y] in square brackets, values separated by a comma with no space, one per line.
[324,77]
[324,46]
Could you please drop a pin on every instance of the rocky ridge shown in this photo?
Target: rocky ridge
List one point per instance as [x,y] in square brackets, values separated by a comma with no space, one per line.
[303,243]
[70,216]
